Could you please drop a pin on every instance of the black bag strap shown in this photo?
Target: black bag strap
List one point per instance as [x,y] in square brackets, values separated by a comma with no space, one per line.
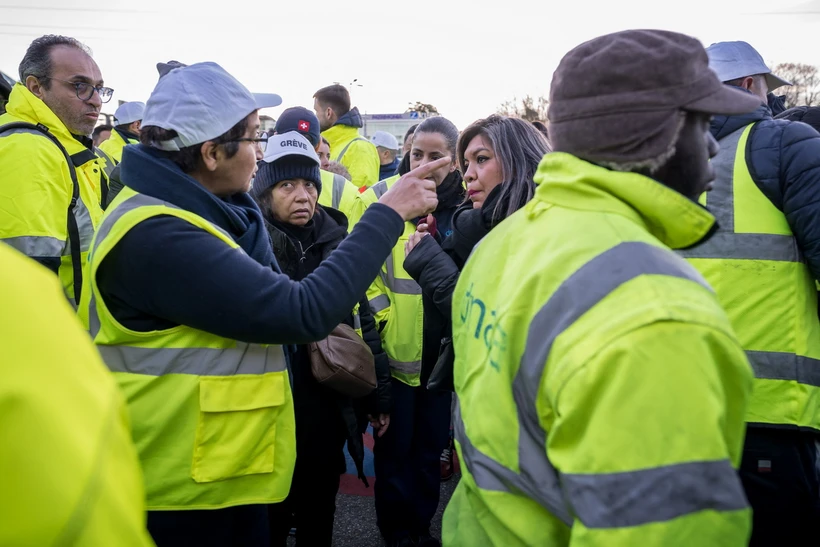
[71,221]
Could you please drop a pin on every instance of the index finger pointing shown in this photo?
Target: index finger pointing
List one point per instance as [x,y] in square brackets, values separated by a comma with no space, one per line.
[423,171]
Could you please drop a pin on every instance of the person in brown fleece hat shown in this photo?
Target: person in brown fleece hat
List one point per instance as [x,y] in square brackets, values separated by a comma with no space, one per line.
[636,100]
[601,389]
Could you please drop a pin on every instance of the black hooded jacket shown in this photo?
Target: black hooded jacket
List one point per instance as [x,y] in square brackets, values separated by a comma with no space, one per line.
[299,251]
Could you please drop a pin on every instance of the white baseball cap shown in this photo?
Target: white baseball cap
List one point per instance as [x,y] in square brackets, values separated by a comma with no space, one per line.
[732,60]
[129,112]
[385,140]
[291,143]
[200,102]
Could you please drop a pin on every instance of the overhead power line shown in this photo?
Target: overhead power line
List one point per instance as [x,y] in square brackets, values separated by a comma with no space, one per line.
[47,26]
[58,8]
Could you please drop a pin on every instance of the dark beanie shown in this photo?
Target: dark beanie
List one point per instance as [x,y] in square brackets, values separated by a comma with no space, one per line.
[285,168]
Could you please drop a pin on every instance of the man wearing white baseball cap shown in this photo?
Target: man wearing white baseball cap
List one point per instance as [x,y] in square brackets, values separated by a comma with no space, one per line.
[388,147]
[127,131]
[763,262]
[190,311]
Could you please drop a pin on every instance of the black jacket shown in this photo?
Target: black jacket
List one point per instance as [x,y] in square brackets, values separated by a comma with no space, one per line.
[784,160]
[299,251]
[436,265]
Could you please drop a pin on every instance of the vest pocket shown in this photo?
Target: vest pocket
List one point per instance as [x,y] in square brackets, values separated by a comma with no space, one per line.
[236,430]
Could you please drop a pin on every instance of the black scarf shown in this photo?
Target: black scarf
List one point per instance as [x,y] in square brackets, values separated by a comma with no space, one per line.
[148,172]
[450,192]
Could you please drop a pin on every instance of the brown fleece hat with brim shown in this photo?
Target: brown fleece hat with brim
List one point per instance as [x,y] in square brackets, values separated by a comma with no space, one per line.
[617,98]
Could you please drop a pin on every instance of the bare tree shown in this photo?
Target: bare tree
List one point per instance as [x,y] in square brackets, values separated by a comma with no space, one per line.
[528,108]
[806,84]
[422,108]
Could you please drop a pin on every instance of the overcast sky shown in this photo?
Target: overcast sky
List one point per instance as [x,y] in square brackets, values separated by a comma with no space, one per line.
[465,57]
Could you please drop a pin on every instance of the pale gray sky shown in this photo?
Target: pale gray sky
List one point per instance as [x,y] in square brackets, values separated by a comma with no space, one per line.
[464,57]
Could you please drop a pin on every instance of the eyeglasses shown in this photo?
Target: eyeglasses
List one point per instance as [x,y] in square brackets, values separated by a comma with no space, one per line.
[86,91]
[261,140]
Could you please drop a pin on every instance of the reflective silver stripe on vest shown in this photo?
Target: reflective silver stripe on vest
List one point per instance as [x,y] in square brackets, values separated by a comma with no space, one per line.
[537,478]
[725,243]
[109,162]
[338,189]
[405,367]
[380,188]
[243,359]
[85,227]
[747,247]
[134,202]
[357,321]
[659,494]
[397,285]
[81,213]
[36,246]
[381,302]
[772,365]
[344,150]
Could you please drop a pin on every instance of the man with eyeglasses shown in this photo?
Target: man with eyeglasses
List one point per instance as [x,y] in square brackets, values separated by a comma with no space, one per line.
[52,183]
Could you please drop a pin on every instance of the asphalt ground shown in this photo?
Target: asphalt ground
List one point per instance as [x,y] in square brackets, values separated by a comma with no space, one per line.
[355,524]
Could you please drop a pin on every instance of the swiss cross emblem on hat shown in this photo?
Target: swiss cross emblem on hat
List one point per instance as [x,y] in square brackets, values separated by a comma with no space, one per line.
[303,125]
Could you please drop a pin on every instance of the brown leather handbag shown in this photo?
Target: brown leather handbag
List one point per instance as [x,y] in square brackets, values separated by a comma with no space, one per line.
[344,362]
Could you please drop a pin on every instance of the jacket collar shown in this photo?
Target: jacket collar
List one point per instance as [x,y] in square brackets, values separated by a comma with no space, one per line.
[25,106]
[351,119]
[339,134]
[675,220]
[126,136]
[722,126]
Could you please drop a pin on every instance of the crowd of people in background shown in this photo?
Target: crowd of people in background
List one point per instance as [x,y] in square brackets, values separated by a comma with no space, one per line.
[610,318]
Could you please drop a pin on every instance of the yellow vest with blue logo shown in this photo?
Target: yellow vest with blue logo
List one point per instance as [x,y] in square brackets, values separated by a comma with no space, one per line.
[212,418]
[395,298]
[756,268]
[601,390]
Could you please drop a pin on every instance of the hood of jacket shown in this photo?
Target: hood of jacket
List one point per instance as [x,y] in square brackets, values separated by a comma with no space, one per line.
[567,181]
[147,171]
[352,118]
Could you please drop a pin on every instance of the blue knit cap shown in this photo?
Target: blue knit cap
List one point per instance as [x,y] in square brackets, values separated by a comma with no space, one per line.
[287,156]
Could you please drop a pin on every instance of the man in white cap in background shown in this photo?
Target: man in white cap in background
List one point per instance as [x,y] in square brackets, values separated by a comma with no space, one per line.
[388,147]
[763,261]
[126,131]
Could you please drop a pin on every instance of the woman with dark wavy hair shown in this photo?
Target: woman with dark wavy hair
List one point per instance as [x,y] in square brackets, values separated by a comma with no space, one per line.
[498,157]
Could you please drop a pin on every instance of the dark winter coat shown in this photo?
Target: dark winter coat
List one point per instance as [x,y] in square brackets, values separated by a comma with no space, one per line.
[784,160]
[299,251]
[436,265]
[387,171]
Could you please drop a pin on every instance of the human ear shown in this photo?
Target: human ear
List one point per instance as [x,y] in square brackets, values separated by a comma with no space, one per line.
[210,155]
